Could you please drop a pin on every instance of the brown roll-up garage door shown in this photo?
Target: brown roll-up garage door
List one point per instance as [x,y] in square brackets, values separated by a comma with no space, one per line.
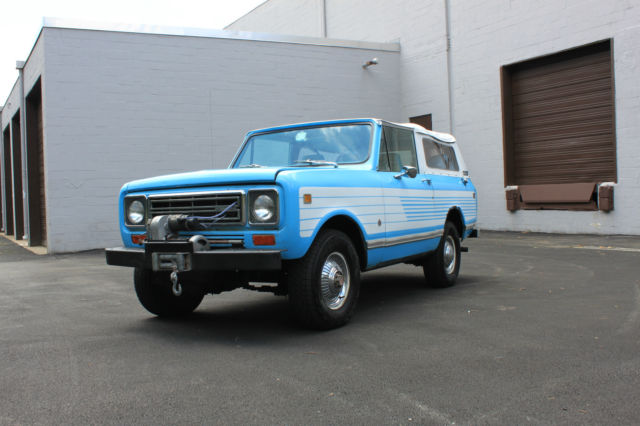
[559,118]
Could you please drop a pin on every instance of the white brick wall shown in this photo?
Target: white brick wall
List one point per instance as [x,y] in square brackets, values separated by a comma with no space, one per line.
[516,31]
[123,106]
[418,25]
[485,36]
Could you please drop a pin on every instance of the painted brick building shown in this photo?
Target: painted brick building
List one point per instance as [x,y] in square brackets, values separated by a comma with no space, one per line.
[537,93]
[103,106]
[542,96]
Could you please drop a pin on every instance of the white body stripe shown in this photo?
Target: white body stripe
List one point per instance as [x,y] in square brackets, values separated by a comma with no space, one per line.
[406,209]
[367,204]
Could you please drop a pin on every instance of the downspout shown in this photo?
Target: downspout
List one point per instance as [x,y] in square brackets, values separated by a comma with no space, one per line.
[447,15]
[23,153]
[323,19]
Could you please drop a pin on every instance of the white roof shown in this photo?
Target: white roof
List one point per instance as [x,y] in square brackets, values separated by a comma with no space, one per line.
[443,137]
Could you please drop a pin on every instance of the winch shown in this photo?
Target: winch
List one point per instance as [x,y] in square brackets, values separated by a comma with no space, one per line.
[166,228]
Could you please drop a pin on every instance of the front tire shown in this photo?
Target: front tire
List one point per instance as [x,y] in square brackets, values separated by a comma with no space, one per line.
[441,267]
[154,293]
[324,285]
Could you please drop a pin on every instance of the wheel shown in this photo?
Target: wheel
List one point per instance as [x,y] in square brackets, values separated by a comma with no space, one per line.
[154,293]
[441,267]
[324,285]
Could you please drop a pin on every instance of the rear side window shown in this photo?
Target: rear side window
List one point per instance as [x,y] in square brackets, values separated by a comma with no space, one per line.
[397,149]
[439,155]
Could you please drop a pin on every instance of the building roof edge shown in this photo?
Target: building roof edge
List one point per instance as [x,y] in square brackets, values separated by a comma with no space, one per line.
[49,22]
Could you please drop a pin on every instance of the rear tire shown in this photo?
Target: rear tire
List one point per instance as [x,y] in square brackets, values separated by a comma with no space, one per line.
[441,267]
[154,293]
[324,285]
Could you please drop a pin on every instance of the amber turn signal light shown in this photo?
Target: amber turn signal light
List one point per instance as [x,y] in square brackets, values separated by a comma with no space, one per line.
[264,240]
[138,238]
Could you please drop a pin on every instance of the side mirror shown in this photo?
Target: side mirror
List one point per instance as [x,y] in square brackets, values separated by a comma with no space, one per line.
[410,171]
[465,176]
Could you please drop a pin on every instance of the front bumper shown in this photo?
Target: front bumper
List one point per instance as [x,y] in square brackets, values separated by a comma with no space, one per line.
[179,257]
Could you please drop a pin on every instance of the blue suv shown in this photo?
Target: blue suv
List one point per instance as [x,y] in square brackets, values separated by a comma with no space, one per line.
[301,211]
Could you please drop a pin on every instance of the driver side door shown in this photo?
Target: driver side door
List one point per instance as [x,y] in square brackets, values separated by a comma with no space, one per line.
[408,201]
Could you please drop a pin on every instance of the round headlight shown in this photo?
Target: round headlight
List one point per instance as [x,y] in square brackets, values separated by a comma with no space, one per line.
[264,208]
[135,213]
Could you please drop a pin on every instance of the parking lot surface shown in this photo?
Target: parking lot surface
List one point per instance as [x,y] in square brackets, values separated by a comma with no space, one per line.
[540,329]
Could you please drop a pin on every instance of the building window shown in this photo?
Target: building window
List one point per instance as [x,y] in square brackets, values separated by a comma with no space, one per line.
[422,120]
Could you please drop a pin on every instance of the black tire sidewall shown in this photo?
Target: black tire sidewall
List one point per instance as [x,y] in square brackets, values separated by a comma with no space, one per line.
[156,297]
[434,268]
[337,242]
[305,295]
[450,230]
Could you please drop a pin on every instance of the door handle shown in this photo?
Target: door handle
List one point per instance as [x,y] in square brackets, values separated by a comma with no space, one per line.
[427,180]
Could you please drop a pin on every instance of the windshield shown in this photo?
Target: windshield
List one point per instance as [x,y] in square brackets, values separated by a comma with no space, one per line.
[330,145]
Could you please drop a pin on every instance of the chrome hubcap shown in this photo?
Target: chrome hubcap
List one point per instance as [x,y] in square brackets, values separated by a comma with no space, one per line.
[334,281]
[449,255]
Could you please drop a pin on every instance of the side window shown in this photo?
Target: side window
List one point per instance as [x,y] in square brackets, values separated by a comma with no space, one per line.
[400,148]
[383,159]
[439,156]
[449,156]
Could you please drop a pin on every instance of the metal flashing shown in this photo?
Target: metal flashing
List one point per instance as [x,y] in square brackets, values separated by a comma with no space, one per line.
[62,23]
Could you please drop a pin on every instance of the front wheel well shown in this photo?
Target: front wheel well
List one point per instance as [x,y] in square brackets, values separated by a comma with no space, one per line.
[455,216]
[350,227]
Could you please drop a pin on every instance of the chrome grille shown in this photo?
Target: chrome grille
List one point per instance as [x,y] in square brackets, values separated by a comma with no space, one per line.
[199,204]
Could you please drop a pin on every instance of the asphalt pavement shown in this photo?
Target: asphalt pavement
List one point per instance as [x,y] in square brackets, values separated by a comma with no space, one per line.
[540,329]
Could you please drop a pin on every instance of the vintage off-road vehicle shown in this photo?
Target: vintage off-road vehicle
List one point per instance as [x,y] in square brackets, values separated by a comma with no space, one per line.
[301,211]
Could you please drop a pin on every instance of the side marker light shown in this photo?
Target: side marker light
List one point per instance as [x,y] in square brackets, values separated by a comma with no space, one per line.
[138,238]
[264,240]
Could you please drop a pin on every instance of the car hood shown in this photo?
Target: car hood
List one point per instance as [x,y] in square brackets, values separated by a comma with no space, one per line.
[204,178]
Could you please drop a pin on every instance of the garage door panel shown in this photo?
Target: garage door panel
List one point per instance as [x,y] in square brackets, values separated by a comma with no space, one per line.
[555,157]
[596,91]
[542,180]
[556,80]
[569,131]
[541,146]
[581,171]
[561,119]
[579,168]
[568,62]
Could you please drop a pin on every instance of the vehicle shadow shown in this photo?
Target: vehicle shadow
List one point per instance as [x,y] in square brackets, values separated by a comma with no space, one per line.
[406,285]
[258,320]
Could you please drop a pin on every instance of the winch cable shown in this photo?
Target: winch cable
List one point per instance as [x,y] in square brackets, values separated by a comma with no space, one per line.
[210,220]
[183,222]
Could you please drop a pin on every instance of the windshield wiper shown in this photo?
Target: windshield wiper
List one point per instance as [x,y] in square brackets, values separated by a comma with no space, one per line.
[250,166]
[317,163]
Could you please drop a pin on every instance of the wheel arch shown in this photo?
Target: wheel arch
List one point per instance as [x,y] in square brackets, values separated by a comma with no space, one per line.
[352,229]
[456,217]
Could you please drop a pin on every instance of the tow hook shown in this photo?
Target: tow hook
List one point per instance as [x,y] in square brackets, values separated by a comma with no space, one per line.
[176,288]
